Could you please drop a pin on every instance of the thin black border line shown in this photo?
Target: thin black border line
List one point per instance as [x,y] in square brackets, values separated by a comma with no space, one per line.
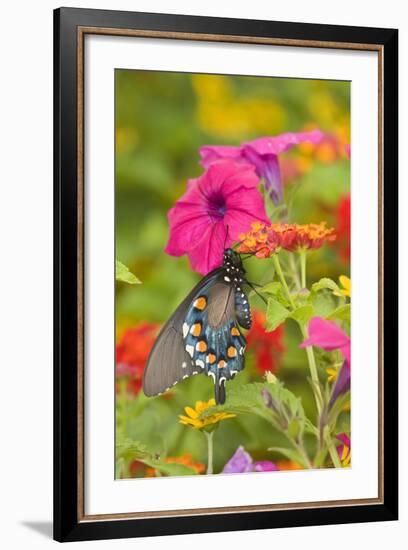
[67,527]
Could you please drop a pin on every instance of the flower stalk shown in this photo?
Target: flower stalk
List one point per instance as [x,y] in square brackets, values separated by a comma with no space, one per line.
[282,279]
[210,451]
[302,254]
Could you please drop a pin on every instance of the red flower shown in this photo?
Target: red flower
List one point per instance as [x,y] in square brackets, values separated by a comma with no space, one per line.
[267,346]
[343,228]
[132,352]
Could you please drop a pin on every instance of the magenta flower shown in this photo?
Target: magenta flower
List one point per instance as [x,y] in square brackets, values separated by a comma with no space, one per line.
[263,154]
[327,335]
[215,209]
[241,462]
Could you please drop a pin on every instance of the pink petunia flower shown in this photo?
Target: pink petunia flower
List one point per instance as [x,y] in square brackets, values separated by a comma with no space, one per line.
[327,335]
[263,154]
[215,209]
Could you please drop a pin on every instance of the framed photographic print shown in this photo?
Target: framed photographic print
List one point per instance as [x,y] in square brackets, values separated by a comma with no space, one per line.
[225,274]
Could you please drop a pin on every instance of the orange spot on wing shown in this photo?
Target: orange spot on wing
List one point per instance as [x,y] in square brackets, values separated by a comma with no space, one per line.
[200,303]
[196,329]
[235,331]
[221,364]
[211,358]
[201,346]
[232,352]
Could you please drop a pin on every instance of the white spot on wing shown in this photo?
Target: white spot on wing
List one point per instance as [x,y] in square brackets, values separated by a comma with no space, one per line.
[227,279]
[183,364]
[190,350]
[200,363]
[213,376]
[185,329]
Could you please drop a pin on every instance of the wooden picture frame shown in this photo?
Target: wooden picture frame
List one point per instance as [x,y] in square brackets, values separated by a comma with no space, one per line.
[70,28]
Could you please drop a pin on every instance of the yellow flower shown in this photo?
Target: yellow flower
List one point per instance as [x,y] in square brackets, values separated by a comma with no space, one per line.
[345,456]
[332,374]
[346,284]
[194,419]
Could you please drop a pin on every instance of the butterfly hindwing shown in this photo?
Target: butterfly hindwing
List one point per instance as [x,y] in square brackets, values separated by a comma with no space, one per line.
[212,337]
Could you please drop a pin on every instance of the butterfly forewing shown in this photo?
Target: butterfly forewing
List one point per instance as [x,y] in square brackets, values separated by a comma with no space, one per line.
[168,362]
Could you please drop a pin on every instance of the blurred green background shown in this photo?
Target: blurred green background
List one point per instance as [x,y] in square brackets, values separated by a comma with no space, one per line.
[162,119]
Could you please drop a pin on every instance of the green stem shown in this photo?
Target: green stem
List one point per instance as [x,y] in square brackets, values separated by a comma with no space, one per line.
[300,449]
[281,276]
[332,451]
[302,254]
[313,373]
[309,350]
[294,271]
[210,451]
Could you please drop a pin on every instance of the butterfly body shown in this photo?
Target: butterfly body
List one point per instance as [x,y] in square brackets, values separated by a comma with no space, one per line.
[203,335]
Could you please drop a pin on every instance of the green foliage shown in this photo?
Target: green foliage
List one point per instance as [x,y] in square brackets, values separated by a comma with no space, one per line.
[128,450]
[276,314]
[125,275]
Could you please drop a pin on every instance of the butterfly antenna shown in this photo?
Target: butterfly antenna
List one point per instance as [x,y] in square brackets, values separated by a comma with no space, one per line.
[226,236]
[256,292]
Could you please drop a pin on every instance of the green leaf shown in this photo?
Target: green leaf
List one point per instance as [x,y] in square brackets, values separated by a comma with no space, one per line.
[342,313]
[170,469]
[125,275]
[324,283]
[128,449]
[284,406]
[291,454]
[323,303]
[302,315]
[271,288]
[276,314]
[119,468]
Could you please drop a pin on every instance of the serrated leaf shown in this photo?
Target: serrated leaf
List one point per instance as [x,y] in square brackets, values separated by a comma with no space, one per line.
[276,314]
[325,283]
[125,275]
[271,288]
[302,315]
[342,313]
[323,303]
[249,399]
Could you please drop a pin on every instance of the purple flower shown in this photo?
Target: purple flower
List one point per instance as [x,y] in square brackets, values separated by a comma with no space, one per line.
[263,154]
[215,209]
[241,462]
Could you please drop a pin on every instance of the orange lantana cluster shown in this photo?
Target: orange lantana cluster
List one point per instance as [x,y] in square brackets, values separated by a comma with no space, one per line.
[264,240]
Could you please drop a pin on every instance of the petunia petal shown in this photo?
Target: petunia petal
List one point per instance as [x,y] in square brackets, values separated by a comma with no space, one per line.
[212,153]
[283,142]
[327,335]
[239,463]
[265,466]
[209,250]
